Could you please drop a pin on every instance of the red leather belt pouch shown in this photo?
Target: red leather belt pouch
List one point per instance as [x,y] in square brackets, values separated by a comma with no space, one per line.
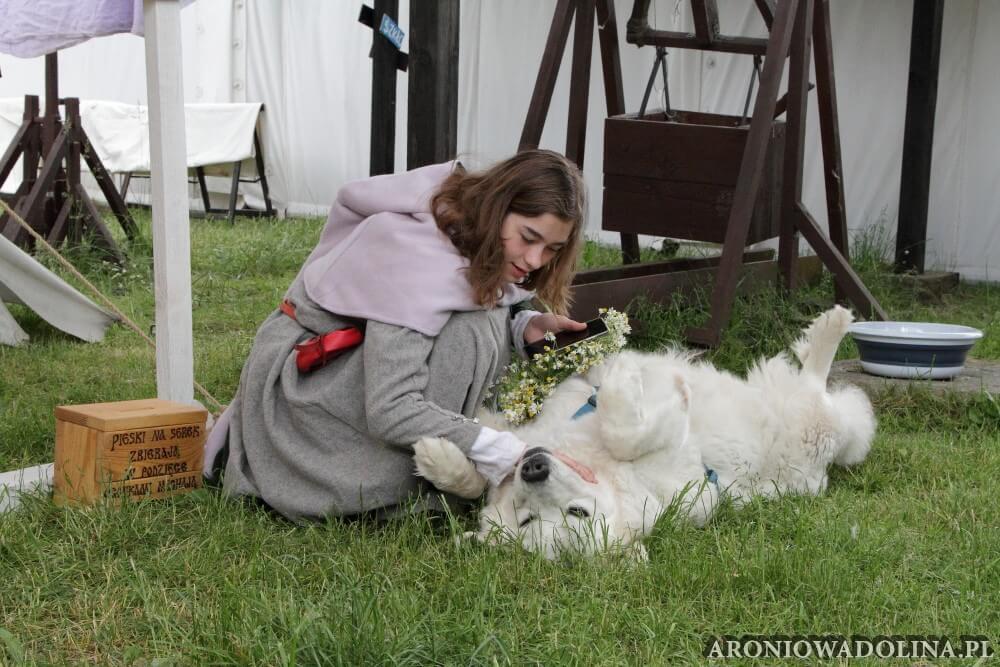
[318,350]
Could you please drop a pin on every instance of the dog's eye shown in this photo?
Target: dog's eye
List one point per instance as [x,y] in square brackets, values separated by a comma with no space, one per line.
[578,512]
[529,519]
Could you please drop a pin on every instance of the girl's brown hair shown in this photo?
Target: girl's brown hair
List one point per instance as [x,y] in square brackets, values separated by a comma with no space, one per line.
[471,207]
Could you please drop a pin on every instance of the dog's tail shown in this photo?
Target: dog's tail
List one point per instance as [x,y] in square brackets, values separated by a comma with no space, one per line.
[818,345]
[855,424]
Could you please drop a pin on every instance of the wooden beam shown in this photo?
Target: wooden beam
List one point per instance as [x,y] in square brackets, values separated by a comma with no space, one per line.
[751,173]
[706,21]
[866,304]
[548,71]
[766,9]
[171,222]
[686,40]
[115,201]
[579,83]
[663,288]
[384,62]
[614,93]
[432,100]
[829,129]
[795,136]
[92,218]
[918,134]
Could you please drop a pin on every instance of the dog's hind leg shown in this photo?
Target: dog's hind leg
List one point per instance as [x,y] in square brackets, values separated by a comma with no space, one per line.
[818,345]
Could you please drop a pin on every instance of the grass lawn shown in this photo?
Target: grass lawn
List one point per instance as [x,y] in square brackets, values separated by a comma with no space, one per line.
[908,543]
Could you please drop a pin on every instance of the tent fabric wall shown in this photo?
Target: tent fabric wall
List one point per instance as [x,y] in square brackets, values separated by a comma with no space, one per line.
[307,61]
[23,280]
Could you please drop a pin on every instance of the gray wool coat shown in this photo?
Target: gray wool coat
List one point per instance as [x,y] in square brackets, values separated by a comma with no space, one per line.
[338,441]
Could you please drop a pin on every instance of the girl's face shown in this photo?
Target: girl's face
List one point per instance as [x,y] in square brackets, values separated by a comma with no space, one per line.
[530,243]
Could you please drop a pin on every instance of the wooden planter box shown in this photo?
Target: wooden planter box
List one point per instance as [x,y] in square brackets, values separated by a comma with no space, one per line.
[676,177]
[130,449]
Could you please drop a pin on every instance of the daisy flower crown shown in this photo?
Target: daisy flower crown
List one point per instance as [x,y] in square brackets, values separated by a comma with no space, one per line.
[525,385]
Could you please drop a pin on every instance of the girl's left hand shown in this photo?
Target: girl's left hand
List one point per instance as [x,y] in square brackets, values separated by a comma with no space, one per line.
[539,324]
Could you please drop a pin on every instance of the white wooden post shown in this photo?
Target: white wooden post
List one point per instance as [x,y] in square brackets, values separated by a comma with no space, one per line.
[171,224]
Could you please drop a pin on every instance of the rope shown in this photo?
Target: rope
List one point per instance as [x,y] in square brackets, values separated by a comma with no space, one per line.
[100,296]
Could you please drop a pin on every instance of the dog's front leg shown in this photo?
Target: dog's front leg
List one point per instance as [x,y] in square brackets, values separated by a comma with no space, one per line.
[444,465]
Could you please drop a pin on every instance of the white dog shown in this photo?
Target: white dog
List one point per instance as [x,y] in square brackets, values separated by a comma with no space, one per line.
[669,434]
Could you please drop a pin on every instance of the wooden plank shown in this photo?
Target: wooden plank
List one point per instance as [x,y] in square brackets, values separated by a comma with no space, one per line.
[686,40]
[31,207]
[22,138]
[91,217]
[866,304]
[676,151]
[751,172]
[798,83]
[766,9]
[579,84]
[829,128]
[432,101]
[548,71]
[607,33]
[664,288]
[258,156]
[74,476]
[706,21]
[60,228]
[114,198]
[383,109]
[234,191]
[171,223]
[614,92]
[14,151]
[11,230]
[691,211]
[918,134]
[666,266]
[124,415]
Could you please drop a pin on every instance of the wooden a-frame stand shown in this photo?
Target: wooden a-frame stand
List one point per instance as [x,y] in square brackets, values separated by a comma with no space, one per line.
[796,26]
[53,200]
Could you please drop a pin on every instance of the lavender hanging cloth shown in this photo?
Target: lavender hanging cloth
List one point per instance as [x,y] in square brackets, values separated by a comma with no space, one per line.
[30,28]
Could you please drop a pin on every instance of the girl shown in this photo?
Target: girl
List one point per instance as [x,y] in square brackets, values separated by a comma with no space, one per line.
[429,267]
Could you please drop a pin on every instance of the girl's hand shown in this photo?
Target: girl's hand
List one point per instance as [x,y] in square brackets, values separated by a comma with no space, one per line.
[539,324]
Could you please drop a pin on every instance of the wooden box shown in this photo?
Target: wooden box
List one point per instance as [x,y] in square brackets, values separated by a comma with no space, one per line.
[129,449]
[676,177]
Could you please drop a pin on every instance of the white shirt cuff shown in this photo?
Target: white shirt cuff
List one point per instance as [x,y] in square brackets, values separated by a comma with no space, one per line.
[495,453]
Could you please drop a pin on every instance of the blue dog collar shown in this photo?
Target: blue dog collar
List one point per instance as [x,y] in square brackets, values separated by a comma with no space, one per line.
[587,407]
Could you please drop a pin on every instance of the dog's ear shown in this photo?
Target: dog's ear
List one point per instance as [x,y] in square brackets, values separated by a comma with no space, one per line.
[684,391]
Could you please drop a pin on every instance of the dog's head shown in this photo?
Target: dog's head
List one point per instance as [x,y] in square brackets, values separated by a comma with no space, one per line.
[553,502]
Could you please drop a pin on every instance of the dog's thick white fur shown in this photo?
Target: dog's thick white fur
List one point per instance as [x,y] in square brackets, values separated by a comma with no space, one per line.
[662,422]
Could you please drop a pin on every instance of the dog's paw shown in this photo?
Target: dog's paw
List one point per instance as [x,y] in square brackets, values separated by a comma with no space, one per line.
[444,465]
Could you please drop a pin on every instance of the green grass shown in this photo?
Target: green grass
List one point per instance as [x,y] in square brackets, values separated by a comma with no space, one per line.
[905,544]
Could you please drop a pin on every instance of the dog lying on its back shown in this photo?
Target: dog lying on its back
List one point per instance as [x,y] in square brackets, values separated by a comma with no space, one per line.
[667,431]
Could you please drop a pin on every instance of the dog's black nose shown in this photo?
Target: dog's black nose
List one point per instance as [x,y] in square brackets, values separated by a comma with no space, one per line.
[535,468]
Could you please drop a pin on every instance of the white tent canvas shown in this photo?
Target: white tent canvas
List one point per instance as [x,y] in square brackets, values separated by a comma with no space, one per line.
[307,61]
[23,280]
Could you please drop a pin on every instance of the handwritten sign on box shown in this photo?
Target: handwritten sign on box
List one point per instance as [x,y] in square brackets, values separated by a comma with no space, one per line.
[129,449]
